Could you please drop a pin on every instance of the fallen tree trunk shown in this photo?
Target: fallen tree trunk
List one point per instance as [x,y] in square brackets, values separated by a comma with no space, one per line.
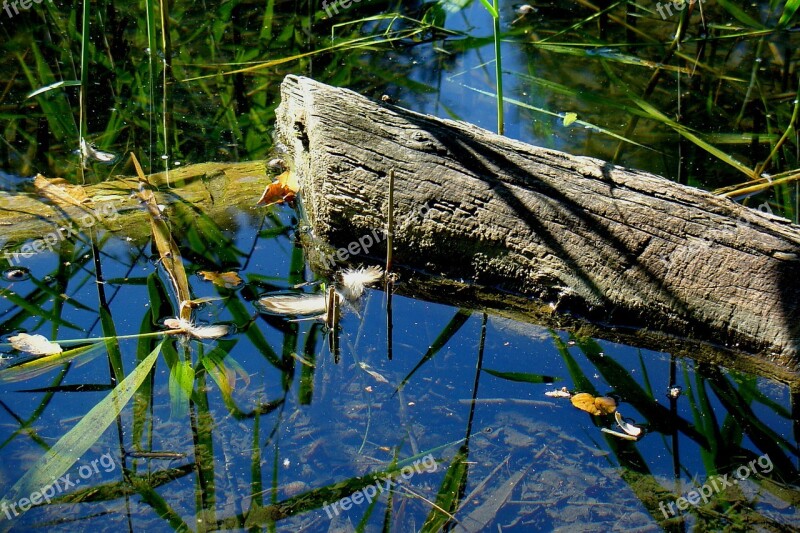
[215,189]
[539,233]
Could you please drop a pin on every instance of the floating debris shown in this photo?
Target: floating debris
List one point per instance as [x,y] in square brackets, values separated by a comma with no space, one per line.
[523,11]
[630,429]
[560,393]
[16,274]
[34,344]
[90,152]
[228,280]
[355,280]
[293,304]
[366,368]
[618,434]
[674,392]
[600,405]
[181,325]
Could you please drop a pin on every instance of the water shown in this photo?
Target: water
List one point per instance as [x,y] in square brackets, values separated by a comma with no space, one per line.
[276,430]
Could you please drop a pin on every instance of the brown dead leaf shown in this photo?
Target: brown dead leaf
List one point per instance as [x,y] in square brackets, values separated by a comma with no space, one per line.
[283,189]
[601,405]
[167,248]
[60,191]
[229,280]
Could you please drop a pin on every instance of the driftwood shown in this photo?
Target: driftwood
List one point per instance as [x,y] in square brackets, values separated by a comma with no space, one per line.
[546,236]
[49,215]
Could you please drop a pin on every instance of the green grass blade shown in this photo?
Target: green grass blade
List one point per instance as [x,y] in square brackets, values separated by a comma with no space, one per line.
[79,439]
[452,327]
[490,8]
[739,14]
[682,130]
[35,310]
[447,499]
[788,12]
[35,367]
[181,384]
[522,377]
[56,85]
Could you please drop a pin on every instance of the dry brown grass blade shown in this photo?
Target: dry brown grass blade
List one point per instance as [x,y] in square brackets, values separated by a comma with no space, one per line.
[168,251]
[754,186]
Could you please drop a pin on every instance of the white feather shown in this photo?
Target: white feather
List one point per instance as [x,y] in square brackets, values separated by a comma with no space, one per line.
[355,280]
[293,304]
[198,332]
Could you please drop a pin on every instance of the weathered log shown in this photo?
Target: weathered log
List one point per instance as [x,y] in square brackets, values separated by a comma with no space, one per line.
[564,239]
[217,189]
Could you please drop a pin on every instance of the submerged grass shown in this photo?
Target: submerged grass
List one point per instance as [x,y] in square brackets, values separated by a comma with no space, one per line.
[149,79]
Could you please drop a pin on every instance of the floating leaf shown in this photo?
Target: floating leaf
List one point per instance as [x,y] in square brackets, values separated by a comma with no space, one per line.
[228,280]
[355,280]
[522,377]
[283,189]
[569,118]
[34,344]
[601,405]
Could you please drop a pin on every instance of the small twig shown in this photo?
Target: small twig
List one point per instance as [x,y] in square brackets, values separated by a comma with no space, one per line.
[390,226]
[387,275]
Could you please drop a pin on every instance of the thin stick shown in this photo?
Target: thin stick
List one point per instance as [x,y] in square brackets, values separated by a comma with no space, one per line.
[388,278]
[390,225]
[389,325]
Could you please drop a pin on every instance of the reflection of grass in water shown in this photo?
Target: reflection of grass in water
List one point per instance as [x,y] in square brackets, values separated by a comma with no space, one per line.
[722,445]
[243,119]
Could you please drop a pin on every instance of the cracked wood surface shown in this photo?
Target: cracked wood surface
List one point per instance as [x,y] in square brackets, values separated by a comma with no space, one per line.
[542,235]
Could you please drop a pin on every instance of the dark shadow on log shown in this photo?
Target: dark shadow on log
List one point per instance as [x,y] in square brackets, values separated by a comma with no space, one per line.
[546,236]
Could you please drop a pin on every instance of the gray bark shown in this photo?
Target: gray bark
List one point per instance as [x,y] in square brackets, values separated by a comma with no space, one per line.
[560,239]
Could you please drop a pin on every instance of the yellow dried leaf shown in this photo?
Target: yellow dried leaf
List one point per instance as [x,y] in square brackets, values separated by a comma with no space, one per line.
[60,191]
[602,405]
[167,248]
[229,280]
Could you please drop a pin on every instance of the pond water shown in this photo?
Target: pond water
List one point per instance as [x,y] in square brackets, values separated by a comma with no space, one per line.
[286,425]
